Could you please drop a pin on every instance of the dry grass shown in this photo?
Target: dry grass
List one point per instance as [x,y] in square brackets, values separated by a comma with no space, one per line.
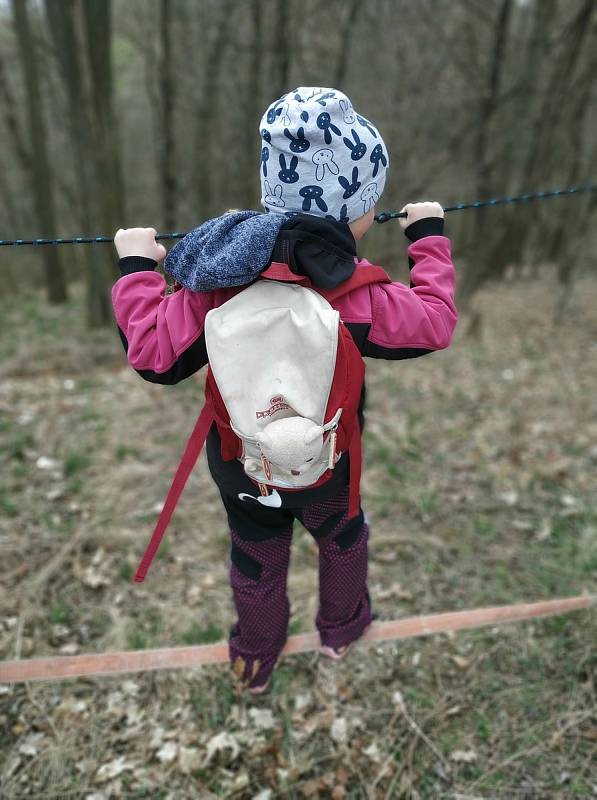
[480,490]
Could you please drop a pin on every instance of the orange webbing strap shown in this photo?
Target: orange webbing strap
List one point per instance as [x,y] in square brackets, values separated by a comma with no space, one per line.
[191,454]
[59,667]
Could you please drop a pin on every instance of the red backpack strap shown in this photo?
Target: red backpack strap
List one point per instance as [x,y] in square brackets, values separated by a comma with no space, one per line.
[362,276]
[191,454]
[231,445]
[278,271]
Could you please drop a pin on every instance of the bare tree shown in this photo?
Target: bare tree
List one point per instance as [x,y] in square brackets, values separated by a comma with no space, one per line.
[95,21]
[168,87]
[253,107]
[40,174]
[11,120]
[282,48]
[346,33]
[485,170]
[65,18]
[202,168]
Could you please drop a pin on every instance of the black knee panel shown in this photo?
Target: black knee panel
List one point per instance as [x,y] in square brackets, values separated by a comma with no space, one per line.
[350,533]
[245,563]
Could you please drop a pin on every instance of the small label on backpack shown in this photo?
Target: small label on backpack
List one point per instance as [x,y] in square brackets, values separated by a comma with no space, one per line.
[277,404]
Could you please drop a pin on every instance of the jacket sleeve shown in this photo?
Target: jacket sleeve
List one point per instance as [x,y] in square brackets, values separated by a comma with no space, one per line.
[407,322]
[162,334]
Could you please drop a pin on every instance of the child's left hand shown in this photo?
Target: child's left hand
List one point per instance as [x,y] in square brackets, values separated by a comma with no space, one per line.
[139,242]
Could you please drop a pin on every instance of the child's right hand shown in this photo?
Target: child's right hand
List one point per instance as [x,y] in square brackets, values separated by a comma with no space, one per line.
[416,211]
[139,242]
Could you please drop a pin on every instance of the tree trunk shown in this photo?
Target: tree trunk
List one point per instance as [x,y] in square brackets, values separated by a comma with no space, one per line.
[64,18]
[282,48]
[94,19]
[206,113]
[254,110]
[167,86]
[39,172]
[543,118]
[345,40]
[475,276]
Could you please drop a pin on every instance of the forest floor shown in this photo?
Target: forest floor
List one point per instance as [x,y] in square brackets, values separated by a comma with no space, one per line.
[480,487]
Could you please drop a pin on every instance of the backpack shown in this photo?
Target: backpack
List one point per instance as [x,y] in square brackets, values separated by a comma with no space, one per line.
[283,387]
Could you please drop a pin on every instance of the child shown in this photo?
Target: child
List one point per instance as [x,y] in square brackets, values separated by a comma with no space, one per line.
[323,168]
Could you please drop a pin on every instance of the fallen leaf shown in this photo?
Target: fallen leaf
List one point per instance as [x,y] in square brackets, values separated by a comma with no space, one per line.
[342,774]
[264,794]
[262,718]
[112,769]
[373,752]
[71,705]
[94,579]
[221,742]
[130,687]
[302,701]
[314,787]
[464,756]
[453,711]
[43,462]
[167,753]
[189,759]
[239,782]
[339,730]
[29,746]
[157,737]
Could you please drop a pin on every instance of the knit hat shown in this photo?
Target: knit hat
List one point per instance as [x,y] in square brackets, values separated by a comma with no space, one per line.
[320,157]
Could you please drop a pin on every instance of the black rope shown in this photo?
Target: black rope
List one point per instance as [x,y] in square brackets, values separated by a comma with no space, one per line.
[496,201]
[385,216]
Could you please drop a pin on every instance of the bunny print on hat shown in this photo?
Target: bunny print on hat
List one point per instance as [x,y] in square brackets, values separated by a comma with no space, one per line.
[332,161]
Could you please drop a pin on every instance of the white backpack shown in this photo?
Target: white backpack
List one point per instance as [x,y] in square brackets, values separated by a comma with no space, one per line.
[272,352]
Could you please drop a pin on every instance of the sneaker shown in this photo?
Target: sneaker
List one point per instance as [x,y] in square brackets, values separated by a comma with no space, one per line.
[258,689]
[337,653]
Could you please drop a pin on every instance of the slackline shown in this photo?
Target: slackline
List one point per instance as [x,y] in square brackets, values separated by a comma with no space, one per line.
[118,663]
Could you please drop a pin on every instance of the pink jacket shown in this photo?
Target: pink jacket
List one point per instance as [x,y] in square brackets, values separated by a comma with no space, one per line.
[163,333]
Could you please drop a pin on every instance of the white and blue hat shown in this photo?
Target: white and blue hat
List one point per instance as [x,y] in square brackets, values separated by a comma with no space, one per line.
[320,157]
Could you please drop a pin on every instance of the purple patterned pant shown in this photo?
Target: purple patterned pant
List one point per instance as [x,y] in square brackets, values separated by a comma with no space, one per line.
[260,555]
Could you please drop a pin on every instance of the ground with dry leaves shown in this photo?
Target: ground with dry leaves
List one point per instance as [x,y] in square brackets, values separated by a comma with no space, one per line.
[480,490]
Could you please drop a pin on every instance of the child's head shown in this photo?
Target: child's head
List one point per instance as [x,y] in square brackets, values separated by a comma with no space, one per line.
[320,157]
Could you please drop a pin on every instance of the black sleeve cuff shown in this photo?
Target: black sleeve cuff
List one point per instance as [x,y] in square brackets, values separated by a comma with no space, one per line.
[130,264]
[428,226]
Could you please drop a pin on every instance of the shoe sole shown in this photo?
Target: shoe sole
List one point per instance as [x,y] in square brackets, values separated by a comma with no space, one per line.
[331,653]
[258,689]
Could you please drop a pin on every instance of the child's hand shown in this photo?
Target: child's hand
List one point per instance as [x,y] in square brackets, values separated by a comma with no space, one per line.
[139,242]
[416,211]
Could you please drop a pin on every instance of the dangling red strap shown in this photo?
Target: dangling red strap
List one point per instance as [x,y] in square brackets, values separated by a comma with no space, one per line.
[191,454]
[356,457]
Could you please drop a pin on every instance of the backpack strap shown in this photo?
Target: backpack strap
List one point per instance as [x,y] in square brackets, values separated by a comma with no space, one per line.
[191,454]
[279,271]
[362,276]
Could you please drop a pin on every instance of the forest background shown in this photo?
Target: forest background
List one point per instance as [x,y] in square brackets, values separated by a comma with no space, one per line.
[146,112]
[480,461]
